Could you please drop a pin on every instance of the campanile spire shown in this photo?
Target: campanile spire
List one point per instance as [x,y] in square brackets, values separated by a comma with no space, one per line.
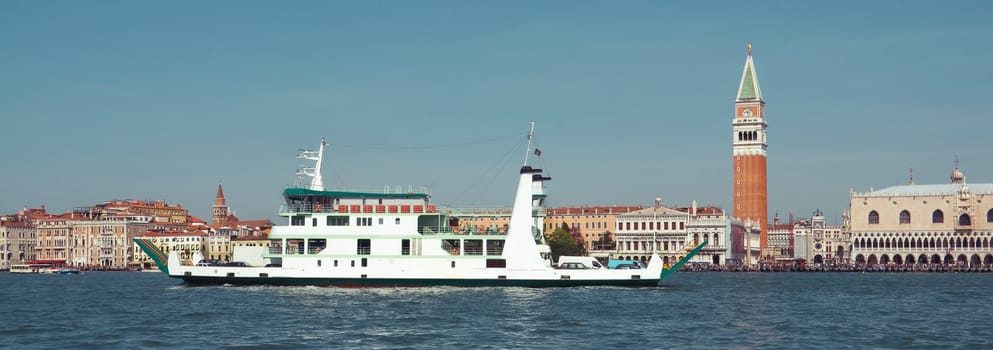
[219,217]
[749,147]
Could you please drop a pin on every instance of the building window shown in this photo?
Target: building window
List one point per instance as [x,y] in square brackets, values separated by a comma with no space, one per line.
[873,217]
[965,220]
[937,217]
[904,217]
[989,216]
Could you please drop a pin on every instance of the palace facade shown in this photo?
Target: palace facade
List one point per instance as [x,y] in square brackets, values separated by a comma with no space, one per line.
[924,224]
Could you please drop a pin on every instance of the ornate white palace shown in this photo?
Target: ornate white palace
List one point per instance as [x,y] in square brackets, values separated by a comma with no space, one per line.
[669,231]
[924,224]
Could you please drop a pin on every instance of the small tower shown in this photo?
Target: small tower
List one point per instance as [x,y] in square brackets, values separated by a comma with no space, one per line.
[220,212]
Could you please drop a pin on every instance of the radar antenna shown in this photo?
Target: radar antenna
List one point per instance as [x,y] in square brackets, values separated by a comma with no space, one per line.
[316,183]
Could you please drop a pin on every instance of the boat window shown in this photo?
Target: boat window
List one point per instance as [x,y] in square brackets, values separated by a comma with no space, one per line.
[398,221]
[318,262]
[314,222]
[473,247]
[380,221]
[353,263]
[297,220]
[336,263]
[337,221]
[496,263]
[365,262]
[453,264]
[316,246]
[494,247]
[364,246]
[405,247]
[294,246]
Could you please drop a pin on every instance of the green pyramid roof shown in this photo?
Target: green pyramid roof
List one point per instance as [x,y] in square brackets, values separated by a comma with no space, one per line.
[749,88]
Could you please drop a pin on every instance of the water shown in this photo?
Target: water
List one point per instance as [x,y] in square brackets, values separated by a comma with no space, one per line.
[704,310]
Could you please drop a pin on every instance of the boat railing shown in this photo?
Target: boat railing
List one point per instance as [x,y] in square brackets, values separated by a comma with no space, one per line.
[473,251]
[358,209]
[448,230]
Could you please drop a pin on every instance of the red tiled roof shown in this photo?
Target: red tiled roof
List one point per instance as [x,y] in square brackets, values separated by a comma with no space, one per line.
[15,224]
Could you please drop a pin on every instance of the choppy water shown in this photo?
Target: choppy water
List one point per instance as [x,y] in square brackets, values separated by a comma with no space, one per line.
[101,310]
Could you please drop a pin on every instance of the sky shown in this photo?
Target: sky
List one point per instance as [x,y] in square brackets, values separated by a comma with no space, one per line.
[631,100]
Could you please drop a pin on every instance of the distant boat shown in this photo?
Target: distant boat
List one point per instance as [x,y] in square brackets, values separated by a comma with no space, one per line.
[67,271]
[31,268]
[399,239]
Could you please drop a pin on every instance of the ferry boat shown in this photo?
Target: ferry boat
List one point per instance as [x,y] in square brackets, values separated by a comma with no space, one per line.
[43,267]
[399,239]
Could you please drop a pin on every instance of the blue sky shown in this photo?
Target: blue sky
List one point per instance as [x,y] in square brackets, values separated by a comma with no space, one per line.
[108,100]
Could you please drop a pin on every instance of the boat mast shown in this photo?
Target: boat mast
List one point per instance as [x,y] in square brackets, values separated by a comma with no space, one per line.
[527,152]
[316,183]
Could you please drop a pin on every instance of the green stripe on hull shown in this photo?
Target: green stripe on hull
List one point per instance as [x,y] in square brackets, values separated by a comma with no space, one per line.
[389,282]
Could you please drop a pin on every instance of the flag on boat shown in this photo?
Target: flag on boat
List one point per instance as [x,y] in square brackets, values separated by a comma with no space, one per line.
[537,152]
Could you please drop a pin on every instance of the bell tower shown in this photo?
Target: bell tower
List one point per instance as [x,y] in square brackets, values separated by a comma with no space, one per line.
[748,139]
[220,209]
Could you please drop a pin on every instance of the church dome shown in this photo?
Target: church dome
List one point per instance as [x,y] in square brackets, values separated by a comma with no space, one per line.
[957,176]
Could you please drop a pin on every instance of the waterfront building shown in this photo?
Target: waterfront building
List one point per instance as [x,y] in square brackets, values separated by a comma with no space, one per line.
[17,241]
[54,234]
[820,243]
[924,224]
[219,243]
[185,243]
[749,148]
[105,242]
[259,240]
[670,231]
[590,225]
[164,216]
[781,238]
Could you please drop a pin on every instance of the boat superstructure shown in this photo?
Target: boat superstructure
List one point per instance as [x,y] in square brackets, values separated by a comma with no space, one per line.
[399,238]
